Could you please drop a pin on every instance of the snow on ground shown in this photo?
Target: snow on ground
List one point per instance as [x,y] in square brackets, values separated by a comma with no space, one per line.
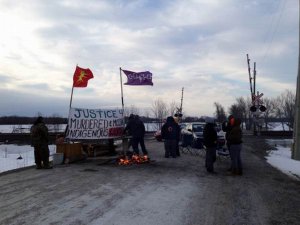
[18,156]
[281,158]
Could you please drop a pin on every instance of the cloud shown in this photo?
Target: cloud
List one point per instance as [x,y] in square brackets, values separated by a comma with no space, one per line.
[198,45]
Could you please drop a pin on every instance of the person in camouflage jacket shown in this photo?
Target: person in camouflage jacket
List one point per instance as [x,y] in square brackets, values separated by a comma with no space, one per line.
[39,140]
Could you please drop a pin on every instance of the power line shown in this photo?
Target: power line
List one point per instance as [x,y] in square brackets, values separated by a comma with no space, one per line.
[275,28]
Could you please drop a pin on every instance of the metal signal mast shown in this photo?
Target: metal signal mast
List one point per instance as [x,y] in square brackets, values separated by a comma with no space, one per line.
[179,110]
[257,102]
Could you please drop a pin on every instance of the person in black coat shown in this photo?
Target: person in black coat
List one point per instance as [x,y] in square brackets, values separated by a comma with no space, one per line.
[210,138]
[138,138]
[227,127]
[136,129]
[129,128]
[170,134]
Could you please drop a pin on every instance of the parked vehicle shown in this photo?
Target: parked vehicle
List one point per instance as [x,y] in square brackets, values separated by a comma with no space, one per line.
[157,135]
[192,135]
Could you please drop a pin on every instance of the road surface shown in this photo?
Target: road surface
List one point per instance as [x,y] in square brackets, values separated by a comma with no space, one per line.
[164,192]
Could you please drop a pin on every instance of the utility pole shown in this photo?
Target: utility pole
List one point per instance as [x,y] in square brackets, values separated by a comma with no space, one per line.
[257,103]
[178,114]
[296,133]
[181,100]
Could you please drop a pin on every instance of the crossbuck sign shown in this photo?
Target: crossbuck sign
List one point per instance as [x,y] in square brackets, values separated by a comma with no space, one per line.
[256,99]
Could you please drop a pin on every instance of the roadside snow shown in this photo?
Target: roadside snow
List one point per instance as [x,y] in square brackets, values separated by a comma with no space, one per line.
[281,158]
[17,156]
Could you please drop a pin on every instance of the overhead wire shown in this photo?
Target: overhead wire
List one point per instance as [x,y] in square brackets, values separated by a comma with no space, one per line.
[273,28]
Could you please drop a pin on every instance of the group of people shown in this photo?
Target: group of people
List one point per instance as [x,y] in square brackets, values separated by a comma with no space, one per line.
[233,138]
[170,133]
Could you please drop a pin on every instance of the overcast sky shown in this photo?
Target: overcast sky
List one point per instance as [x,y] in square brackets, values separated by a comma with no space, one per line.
[200,45]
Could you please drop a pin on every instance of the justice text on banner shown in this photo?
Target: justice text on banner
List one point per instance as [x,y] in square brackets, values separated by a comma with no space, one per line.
[91,124]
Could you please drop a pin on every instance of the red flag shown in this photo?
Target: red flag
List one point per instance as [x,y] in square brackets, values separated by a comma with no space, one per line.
[81,77]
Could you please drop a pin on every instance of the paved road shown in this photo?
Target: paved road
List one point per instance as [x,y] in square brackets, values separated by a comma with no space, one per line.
[164,192]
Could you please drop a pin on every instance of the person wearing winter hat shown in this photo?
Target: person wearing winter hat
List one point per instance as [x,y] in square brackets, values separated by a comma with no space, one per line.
[235,141]
[210,142]
[39,140]
[170,133]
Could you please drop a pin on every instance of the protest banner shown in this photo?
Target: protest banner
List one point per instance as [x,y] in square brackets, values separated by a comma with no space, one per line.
[91,124]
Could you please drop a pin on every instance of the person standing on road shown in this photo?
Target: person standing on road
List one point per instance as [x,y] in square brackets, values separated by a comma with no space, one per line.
[235,141]
[170,134]
[210,142]
[140,126]
[227,127]
[129,128]
[177,119]
[39,140]
[136,129]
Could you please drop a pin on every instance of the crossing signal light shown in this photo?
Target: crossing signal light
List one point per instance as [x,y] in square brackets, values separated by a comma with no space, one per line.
[253,108]
[262,108]
[178,115]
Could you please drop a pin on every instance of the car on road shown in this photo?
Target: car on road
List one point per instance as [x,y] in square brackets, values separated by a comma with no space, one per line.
[192,135]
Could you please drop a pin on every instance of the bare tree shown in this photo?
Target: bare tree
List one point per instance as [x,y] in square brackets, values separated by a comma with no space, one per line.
[131,110]
[159,109]
[220,112]
[270,104]
[172,108]
[278,110]
[242,106]
[235,111]
[240,109]
[288,103]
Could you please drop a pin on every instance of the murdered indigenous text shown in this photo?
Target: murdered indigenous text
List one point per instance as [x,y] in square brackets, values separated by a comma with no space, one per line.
[95,123]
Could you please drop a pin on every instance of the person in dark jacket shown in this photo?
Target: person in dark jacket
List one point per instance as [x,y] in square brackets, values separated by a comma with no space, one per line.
[235,141]
[128,129]
[210,142]
[136,129]
[39,140]
[227,127]
[170,134]
[141,134]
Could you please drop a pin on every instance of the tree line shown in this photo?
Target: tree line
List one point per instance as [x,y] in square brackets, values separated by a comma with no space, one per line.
[278,109]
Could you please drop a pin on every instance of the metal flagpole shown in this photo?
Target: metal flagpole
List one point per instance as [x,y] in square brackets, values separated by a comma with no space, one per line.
[124,139]
[71,96]
[121,89]
[72,91]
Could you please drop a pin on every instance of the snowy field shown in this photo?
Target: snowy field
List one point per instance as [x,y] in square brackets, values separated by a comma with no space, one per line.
[281,158]
[18,156]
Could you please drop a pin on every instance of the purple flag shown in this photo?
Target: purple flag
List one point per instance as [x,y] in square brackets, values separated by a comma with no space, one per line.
[140,78]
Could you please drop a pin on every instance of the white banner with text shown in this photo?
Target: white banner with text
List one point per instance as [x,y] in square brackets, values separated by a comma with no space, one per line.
[90,124]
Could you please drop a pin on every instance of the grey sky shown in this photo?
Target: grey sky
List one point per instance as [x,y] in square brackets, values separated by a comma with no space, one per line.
[200,45]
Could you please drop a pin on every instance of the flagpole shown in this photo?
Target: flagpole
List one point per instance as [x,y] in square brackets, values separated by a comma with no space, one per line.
[71,96]
[124,139]
[72,91]
[121,89]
